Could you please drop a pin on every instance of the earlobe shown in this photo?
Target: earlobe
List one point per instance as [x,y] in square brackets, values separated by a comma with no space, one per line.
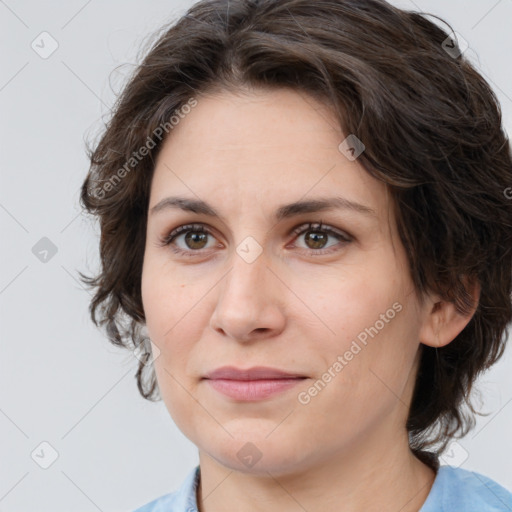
[443,322]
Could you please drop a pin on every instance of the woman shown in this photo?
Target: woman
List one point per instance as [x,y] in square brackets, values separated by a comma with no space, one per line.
[306,237]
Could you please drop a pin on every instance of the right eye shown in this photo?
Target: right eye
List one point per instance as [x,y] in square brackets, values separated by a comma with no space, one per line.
[195,237]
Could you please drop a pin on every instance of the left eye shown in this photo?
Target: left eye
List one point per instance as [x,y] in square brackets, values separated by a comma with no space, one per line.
[196,238]
[317,235]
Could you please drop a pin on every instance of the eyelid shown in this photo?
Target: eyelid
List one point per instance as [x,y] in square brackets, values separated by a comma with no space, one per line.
[320,226]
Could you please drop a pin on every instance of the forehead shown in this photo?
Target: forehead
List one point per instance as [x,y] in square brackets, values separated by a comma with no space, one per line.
[261,147]
[249,121]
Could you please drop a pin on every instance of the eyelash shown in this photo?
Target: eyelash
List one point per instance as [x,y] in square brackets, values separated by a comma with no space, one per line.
[303,228]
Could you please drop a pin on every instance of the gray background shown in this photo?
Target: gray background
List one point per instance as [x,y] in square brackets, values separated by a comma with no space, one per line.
[60,380]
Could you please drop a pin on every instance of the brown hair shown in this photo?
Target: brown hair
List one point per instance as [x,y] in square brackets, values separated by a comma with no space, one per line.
[432,130]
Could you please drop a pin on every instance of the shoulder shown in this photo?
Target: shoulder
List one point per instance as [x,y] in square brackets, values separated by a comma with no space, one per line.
[181,500]
[457,489]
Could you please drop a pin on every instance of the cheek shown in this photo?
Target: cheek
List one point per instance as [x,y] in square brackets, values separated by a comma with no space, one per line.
[178,311]
[370,328]
[377,361]
[172,313]
[362,383]
[347,300]
[178,396]
[167,298]
[173,322]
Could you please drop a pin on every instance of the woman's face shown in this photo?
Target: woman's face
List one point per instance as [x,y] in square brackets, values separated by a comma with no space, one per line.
[262,288]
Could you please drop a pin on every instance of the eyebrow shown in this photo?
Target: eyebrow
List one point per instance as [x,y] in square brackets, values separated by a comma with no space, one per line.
[283,212]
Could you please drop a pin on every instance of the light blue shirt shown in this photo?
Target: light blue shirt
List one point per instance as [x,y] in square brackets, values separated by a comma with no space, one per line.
[454,490]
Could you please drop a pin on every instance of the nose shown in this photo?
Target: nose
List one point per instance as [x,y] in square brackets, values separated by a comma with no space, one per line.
[250,301]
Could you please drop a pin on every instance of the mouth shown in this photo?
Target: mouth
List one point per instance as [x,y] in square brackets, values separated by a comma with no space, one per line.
[253,390]
[252,384]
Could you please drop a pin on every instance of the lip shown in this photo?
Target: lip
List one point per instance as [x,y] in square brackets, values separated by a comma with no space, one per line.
[252,384]
[251,374]
[252,390]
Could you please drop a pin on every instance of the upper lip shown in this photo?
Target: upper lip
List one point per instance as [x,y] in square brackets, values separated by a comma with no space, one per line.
[254,373]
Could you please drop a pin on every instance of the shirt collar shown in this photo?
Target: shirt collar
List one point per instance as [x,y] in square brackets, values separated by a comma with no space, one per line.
[186,498]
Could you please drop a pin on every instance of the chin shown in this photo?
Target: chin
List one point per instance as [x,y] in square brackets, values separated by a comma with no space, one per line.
[258,455]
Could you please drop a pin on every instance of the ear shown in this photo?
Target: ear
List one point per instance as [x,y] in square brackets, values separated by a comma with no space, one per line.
[442,322]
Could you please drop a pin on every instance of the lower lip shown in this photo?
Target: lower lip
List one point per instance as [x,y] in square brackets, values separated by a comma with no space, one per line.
[251,390]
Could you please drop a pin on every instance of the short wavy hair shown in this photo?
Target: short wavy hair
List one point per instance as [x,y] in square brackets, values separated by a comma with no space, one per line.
[432,128]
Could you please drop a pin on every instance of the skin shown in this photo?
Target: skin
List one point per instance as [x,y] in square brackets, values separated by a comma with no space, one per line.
[247,154]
